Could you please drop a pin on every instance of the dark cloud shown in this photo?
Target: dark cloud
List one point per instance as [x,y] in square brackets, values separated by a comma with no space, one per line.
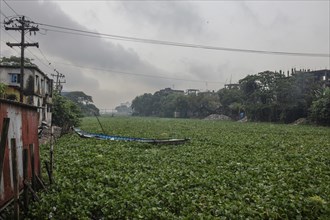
[88,51]
[277,26]
[177,17]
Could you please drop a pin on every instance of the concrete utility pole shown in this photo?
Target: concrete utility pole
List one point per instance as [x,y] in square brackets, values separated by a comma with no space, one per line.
[25,26]
[58,81]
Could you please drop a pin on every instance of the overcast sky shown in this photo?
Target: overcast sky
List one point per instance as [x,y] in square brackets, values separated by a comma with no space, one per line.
[88,62]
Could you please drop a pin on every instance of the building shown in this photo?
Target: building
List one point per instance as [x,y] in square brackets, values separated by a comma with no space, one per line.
[167,91]
[321,76]
[232,86]
[192,91]
[37,88]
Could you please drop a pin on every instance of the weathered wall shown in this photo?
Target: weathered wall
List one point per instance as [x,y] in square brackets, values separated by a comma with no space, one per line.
[24,128]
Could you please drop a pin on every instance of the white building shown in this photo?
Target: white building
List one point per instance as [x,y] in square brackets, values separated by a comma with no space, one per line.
[37,88]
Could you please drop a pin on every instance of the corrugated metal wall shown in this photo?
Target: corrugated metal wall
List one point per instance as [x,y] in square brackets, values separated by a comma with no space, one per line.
[24,128]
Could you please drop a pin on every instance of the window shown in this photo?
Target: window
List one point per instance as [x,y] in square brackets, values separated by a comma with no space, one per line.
[37,84]
[42,86]
[15,77]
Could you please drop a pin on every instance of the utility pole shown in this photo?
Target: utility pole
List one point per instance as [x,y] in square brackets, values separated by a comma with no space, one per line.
[24,26]
[58,76]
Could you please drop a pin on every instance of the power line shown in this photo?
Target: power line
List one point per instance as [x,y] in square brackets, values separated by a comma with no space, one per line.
[26,49]
[113,71]
[3,14]
[11,47]
[178,44]
[138,74]
[126,73]
[21,26]
[49,63]
[10,7]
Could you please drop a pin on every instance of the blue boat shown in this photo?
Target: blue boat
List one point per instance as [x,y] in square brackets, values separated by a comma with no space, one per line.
[84,134]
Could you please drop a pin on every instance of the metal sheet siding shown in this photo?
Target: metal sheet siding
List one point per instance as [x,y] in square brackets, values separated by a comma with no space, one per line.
[24,128]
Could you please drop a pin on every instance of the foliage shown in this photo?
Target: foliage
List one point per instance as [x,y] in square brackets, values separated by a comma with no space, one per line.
[124,109]
[16,61]
[142,105]
[267,96]
[3,88]
[231,101]
[164,104]
[227,171]
[270,96]
[85,102]
[65,112]
[320,110]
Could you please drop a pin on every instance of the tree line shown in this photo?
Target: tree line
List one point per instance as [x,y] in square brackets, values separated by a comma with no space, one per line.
[266,96]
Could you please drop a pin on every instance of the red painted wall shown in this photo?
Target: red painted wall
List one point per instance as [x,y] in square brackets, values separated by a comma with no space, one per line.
[23,127]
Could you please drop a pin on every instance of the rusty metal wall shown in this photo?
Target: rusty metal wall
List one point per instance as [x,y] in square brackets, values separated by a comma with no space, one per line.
[24,128]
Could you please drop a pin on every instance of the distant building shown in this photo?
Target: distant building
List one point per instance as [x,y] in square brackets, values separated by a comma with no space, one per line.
[232,86]
[321,76]
[170,91]
[37,88]
[192,91]
[124,109]
[207,92]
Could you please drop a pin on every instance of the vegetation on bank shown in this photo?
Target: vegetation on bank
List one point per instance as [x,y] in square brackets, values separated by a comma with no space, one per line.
[228,170]
[266,96]
[65,113]
[83,101]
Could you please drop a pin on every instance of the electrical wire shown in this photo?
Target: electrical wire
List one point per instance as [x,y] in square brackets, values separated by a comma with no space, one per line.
[26,48]
[3,15]
[122,72]
[49,63]
[178,44]
[12,47]
[67,30]
[10,7]
[137,74]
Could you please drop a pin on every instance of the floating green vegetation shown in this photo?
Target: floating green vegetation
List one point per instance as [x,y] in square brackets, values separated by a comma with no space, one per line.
[228,170]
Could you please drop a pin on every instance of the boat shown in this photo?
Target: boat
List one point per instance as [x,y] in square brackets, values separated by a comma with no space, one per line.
[172,141]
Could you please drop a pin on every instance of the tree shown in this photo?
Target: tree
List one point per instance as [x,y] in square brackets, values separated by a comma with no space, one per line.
[85,102]
[320,109]
[270,96]
[65,112]
[124,109]
[182,105]
[142,105]
[231,101]
[209,103]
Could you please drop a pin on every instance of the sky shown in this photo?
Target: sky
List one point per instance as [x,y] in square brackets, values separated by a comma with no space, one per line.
[115,71]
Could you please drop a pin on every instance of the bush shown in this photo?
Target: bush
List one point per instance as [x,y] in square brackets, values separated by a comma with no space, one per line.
[320,109]
[65,113]
[2,90]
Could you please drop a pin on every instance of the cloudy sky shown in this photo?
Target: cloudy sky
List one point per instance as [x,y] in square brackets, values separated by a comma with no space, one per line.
[114,71]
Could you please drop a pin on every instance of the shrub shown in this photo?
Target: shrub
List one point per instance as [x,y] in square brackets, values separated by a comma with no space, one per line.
[320,109]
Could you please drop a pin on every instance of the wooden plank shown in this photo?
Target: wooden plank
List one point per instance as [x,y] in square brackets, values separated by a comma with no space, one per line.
[15,177]
[28,185]
[3,142]
[33,175]
[51,152]
[41,183]
[25,176]
[48,172]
